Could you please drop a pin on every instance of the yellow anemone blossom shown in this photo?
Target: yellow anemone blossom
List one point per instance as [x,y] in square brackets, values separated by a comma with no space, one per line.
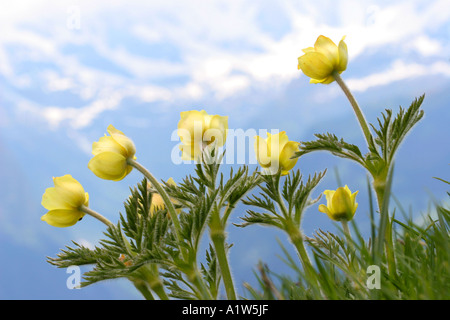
[276,152]
[111,154]
[319,62]
[198,129]
[157,200]
[64,202]
[341,204]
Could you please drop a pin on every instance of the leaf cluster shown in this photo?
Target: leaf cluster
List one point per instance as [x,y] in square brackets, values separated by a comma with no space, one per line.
[389,134]
[143,238]
[281,204]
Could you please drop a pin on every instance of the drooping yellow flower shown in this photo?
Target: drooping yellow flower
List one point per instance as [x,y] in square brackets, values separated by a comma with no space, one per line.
[198,129]
[341,204]
[320,61]
[111,154]
[64,201]
[157,200]
[276,152]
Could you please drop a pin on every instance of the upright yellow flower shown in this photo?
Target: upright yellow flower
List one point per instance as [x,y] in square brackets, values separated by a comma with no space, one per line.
[319,62]
[64,202]
[341,205]
[111,154]
[198,129]
[276,152]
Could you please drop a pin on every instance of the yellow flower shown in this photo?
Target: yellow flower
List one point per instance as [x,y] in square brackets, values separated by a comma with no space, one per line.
[276,152]
[64,201]
[198,129]
[320,62]
[341,204]
[111,154]
[157,200]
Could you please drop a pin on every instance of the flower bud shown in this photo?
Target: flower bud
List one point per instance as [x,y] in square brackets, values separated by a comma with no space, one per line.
[341,204]
[319,62]
[111,154]
[64,201]
[198,129]
[276,152]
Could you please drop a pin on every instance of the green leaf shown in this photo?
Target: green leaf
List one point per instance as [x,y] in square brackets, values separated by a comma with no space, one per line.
[211,271]
[329,142]
[391,132]
[254,217]
[79,255]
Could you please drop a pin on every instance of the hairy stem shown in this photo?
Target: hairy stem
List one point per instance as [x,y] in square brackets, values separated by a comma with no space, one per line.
[346,229]
[296,238]
[218,239]
[195,278]
[141,286]
[356,109]
[96,215]
[162,193]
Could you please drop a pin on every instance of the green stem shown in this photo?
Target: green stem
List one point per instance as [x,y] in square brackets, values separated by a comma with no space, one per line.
[218,239]
[195,278]
[296,238]
[385,229]
[143,289]
[158,288]
[379,182]
[356,109]
[226,214]
[96,215]
[162,193]
[346,229]
[151,276]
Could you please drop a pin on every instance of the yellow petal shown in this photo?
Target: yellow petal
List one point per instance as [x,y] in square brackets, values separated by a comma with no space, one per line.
[262,152]
[122,140]
[109,166]
[51,200]
[191,151]
[275,145]
[70,190]
[218,124]
[287,162]
[112,130]
[323,208]
[191,127]
[343,56]
[341,203]
[86,203]
[62,218]
[309,49]
[276,142]
[108,143]
[328,80]
[328,48]
[315,65]
[171,182]
[317,80]
[157,203]
[329,196]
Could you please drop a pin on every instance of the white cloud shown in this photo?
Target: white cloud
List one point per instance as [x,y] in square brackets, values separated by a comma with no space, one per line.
[399,70]
[217,47]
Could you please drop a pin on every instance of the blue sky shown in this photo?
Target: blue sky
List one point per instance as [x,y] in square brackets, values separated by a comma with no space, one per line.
[68,69]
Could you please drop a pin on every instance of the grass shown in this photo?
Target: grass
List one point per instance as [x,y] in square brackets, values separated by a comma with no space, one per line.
[350,269]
